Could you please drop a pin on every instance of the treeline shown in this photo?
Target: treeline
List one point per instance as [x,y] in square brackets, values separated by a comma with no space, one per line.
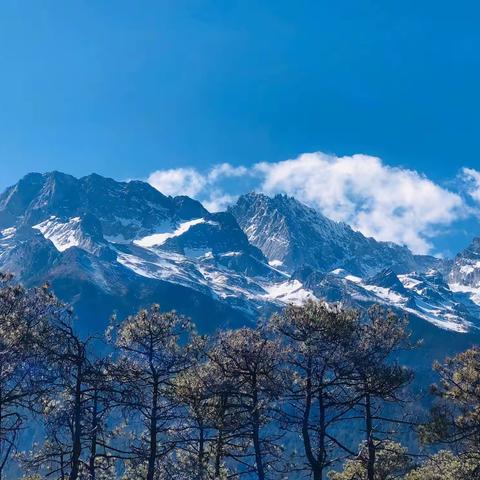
[314,392]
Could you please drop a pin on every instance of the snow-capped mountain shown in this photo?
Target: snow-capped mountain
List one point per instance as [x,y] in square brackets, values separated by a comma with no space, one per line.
[107,245]
[424,295]
[293,235]
[335,262]
[464,276]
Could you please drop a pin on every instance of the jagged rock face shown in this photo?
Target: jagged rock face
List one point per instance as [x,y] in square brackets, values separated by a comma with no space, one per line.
[124,209]
[424,295]
[107,245]
[109,238]
[387,279]
[464,275]
[292,234]
[466,266]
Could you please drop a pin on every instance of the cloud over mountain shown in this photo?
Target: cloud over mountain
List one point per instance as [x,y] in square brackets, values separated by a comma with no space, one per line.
[188,181]
[387,203]
[472,179]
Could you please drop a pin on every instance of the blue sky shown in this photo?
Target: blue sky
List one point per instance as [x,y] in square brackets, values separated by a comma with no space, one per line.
[129,88]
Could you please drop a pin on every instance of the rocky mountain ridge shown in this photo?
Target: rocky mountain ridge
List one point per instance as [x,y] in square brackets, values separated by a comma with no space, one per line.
[106,245]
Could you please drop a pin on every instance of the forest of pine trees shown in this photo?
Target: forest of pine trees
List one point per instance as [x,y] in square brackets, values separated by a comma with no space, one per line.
[313,392]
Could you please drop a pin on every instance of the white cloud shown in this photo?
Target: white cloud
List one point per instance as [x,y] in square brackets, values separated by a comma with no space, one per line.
[387,203]
[472,178]
[218,201]
[225,170]
[178,181]
[202,186]
[384,202]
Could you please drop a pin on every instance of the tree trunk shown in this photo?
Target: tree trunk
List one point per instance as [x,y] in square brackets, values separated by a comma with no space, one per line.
[77,427]
[219,442]
[153,433]
[218,453]
[307,441]
[62,466]
[370,440]
[256,433]
[5,448]
[201,452]
[321,458]
[93,445]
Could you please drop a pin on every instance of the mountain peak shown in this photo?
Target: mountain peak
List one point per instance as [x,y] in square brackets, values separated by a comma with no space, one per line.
[292,234]
[387,278]
[465,271]
[127,242]
[122,208]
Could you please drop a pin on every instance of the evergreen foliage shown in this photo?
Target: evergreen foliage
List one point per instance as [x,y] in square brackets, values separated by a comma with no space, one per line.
[290,398]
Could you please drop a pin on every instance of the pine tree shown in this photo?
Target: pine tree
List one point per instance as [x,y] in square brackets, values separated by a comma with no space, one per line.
[455,418]
[152,350]
[24,322]
[391,462]
[445,465]
[73,408]
[319,339]
[378,380]
[251,362]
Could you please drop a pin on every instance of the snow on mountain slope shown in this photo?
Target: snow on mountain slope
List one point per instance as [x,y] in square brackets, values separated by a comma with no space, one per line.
[129,210]
[425,295]
[472,292]
[62,235]
[7,241]
[160,238]
[290,291]
[464,276]
[102,243]
[289,232]
[436,302]
[206,268]
[466,266]
[173,240]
